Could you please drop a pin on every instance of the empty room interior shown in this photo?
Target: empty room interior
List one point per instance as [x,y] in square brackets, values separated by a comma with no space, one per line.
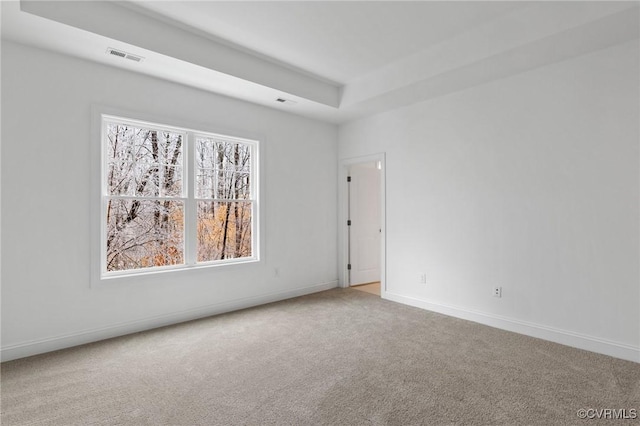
[332,212]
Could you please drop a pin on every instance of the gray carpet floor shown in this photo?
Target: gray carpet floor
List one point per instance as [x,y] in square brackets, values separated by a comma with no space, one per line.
[339,357]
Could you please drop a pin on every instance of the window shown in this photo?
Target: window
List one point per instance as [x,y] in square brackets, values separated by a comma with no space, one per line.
[175,198]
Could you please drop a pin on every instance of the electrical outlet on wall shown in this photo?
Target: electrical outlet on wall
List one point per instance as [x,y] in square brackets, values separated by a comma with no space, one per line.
[422,278]
[497,292]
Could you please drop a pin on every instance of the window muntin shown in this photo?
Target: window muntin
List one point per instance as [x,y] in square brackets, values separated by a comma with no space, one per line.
[152,221]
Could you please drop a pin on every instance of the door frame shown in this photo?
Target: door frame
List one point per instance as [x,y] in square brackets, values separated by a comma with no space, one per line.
[343,229]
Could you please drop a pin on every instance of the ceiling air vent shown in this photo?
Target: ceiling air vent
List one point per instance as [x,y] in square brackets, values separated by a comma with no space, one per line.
[125,55]
[115,52]
[286,101]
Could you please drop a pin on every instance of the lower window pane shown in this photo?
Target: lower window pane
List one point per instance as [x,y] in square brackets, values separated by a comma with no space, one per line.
[144,233]
[224,230]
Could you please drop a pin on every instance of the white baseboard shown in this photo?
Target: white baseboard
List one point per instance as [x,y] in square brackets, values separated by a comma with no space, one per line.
[36,347]
[576,340]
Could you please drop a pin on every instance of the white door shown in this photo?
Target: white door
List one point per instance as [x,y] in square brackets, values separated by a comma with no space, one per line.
[365,228]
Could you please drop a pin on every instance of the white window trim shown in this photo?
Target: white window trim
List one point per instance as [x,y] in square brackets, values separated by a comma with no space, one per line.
[99,276]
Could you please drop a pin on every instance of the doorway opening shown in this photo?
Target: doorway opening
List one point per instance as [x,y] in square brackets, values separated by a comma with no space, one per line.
[363,199]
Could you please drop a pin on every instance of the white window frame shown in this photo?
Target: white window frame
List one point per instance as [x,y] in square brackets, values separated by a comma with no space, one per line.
[190,133]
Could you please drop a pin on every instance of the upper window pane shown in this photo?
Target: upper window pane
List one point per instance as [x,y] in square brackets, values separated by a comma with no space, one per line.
[143,162]
[223,169]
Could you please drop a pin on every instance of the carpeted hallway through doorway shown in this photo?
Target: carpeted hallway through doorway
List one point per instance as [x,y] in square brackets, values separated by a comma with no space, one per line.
[373,288]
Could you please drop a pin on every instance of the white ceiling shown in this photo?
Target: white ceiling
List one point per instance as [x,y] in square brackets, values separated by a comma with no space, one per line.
[337,60]
[338,41]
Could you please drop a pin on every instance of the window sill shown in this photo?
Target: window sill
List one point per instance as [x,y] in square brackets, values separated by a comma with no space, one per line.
[155,273]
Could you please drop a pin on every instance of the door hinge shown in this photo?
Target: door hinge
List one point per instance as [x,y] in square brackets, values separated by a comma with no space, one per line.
[348,266]
[348,178]
[348,222]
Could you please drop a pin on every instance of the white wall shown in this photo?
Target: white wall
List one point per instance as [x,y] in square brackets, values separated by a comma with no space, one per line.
[47,300]
[529,183]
